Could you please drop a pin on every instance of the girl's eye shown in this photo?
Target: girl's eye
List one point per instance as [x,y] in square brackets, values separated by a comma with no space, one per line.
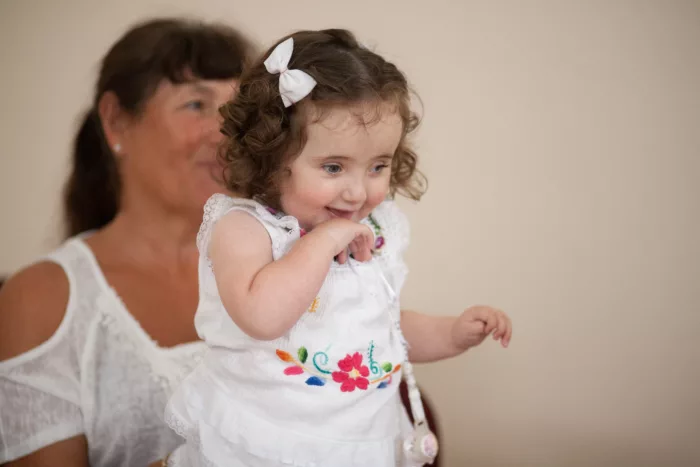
[332,168]
[195,105]
[379,168]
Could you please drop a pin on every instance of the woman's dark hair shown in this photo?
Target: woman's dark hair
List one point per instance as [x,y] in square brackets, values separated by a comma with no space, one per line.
[174,49]
[262,134]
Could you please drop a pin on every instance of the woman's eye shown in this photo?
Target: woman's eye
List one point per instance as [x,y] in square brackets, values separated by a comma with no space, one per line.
[332,168]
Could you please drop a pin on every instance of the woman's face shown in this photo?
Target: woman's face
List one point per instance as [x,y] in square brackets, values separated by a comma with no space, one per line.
[169,152]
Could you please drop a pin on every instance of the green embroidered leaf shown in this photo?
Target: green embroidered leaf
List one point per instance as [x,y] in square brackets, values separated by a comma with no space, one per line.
[303,354]
[386,366]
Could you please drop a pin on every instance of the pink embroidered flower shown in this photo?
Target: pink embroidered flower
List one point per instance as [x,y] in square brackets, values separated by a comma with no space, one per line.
[353,373]
[379,243]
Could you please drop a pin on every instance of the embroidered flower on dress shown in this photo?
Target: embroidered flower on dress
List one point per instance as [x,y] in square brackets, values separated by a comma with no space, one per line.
[353,373]
[314,305]
[379,236]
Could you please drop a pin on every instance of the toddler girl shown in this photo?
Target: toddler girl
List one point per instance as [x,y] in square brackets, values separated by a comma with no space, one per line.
[300,276]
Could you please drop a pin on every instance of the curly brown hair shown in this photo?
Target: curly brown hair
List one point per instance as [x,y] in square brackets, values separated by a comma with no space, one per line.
[263,135]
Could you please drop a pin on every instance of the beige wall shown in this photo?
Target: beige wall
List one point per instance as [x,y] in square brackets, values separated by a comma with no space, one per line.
[562,142]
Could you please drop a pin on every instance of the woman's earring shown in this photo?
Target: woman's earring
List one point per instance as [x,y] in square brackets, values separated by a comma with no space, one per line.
[117,148]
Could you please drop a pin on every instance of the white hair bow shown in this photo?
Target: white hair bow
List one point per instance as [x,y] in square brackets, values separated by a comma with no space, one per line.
[294,84]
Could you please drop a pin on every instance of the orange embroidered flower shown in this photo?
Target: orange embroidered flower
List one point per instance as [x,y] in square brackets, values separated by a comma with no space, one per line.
[314,305]
[353,373]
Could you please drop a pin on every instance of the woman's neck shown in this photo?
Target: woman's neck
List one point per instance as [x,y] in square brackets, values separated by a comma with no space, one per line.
[150,236]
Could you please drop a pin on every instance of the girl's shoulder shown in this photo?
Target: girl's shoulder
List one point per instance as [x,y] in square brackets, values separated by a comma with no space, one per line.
[283,230]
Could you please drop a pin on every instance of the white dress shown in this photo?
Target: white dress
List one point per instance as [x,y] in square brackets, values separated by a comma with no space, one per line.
[100,375]
[323,395]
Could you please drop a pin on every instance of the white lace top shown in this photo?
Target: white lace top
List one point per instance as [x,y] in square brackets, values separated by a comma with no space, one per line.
[99,375]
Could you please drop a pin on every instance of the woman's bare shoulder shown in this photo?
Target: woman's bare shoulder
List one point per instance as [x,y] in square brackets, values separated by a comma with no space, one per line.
[32,305]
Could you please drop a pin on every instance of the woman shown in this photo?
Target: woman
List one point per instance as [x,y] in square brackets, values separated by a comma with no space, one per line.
[83,381]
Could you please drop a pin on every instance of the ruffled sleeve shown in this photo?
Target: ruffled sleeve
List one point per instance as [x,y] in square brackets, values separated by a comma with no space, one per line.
[283,230]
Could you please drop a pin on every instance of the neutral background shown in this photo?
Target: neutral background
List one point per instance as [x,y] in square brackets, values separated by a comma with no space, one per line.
[562,143]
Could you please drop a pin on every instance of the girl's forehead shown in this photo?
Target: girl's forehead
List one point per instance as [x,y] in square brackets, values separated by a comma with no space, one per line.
[346,121]
[344,131]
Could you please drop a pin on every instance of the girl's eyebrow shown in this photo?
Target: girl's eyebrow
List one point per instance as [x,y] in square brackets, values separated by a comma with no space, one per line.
[339,157]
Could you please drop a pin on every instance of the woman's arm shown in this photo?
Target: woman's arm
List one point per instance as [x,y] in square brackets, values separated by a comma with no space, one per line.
[70,453]
[32,305]
[265,298]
